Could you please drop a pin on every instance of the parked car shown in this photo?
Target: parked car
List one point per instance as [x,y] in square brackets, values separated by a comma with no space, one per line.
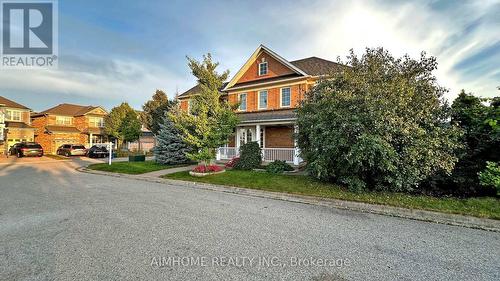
[26,149]
[97,151]
[72,150]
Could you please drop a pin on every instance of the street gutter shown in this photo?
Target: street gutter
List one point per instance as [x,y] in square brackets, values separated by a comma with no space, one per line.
[414,214]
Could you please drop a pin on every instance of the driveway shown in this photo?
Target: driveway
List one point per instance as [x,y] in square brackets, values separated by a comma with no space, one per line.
[59,224]
[12,160]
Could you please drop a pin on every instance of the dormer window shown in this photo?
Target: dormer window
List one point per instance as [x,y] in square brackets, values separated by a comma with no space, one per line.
[263,68]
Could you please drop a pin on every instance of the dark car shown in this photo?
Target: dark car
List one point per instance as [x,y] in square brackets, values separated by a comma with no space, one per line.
[72,150]
[97,151]
[26,149]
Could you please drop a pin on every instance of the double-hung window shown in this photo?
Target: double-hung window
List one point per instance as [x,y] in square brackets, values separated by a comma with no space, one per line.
[243,102]
[263,68]
[263,99]
[13,115]
[63,120]
[96,122]
[286,97]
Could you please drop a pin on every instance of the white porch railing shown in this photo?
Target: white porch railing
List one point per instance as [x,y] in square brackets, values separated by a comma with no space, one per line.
[268,154]
[283,154]
[226,152]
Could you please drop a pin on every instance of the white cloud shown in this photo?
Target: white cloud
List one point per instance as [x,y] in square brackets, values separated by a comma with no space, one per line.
[332,28]
[95,78]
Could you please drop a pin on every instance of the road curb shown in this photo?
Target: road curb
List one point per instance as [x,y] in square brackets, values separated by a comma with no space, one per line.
[414,214]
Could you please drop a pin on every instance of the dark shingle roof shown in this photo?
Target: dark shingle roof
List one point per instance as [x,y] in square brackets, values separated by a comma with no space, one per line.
[94,131]
[20,125]
[68,110]
[316,66]
[267,115]
[272,79]
[65,129]
[9,103]
[312,66]
[196,89]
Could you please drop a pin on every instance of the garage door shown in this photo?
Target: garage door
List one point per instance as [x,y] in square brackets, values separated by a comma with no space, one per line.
[11,142]
[59,142]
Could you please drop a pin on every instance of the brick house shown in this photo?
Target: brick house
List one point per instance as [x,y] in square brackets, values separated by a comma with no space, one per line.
[269,88]
[69,124]
[15,124]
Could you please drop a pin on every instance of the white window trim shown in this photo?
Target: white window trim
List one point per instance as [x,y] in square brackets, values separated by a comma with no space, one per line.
[64,118]
[267,68]
[258,99]
[11,115]
[98,124]
[246,101]
[281,97]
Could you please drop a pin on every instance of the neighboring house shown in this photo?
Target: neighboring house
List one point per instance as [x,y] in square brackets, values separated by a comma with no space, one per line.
[268,88]
[69,124]
[146,141]
[15,124]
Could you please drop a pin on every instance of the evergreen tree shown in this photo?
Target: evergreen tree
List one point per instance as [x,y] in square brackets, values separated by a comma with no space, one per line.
[210,121]
[170,148]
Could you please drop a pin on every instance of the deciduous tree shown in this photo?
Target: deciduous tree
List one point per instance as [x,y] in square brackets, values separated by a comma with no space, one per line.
[379,123]
[123,124]
[155,110]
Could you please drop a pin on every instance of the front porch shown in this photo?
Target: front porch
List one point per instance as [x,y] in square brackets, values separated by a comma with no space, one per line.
[276,142]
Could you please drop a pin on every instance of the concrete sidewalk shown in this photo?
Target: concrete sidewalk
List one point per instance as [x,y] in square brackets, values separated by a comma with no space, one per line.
[157,174]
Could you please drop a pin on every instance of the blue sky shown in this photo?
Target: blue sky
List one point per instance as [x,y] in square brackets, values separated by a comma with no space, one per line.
[114,51]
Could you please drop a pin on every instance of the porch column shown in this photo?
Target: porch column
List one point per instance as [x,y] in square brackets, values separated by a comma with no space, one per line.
[257,134]
[258,140]
[217,154]
[296,158]
[237,141]
[90,140]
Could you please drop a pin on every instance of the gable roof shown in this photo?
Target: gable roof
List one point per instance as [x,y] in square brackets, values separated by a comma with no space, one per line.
[312,66]
[69,110]
[9,103]
[315,66]
[196,89]
[252,58]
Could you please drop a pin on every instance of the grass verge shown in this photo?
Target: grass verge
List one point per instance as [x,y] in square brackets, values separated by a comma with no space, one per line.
[56,157]
[486,207]
[132,168]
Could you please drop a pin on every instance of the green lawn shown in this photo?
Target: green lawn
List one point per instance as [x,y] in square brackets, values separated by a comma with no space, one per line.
[480,207]
[133,168]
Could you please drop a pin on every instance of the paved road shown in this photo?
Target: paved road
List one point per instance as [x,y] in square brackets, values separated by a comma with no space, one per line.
[59,224]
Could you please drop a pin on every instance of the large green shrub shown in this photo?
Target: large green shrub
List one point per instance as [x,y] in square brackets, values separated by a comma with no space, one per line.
[479,119]
[491,176]
[250,156]
[380,123]
[278,167]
